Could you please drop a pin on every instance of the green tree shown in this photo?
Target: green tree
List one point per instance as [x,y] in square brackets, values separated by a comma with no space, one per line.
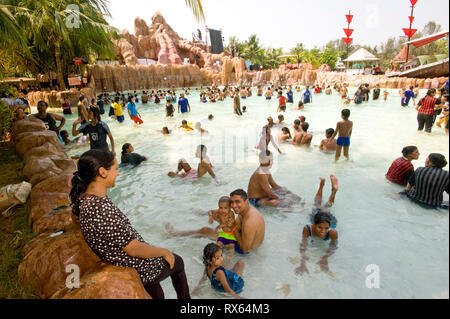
[297,51]
[330,57]
[197,9]
[252,51]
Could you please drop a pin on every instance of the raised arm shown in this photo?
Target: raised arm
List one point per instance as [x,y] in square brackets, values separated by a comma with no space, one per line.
[60,118]
[75,132]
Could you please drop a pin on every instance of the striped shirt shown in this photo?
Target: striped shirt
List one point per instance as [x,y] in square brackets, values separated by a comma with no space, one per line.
[428,185]
[400,171]
[427,105]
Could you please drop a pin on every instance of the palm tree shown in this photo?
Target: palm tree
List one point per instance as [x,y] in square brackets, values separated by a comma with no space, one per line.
[197,9]
[252,50]
[48,29]
[297,50]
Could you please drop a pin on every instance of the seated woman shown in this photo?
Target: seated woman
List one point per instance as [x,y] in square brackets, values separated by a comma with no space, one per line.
[401,169]
[284,135]
[427,185]
[322,226]
[123,247]
[128,157]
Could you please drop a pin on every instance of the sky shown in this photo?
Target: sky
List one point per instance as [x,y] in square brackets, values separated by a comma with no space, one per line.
[284,23]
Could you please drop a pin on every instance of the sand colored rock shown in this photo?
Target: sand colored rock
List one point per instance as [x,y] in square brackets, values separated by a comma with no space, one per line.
[43,268]
[45,150]
[37,166]
[39,177]
[30,124]
[107,281]
[56,98]
[62,183]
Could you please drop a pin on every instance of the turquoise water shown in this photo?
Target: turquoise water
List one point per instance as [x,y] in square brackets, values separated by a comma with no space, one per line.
[409,244]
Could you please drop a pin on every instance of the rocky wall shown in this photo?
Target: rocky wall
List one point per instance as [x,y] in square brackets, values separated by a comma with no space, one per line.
[58,252]
[57,98]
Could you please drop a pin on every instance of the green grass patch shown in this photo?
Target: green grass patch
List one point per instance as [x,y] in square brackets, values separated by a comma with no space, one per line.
[14,230]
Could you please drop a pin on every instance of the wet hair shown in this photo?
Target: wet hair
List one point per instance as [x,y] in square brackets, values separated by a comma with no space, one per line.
[346,113]
[329,131]
[224,199]
[81,97]
[183,122]
[88,166]
[125,147]
[210,117]
[116,99]
[280,116]
[437,159]
[64,133]
[42,103]
[411,87]
[300,103]
[297,122]
[208,253]
[96,112]
[408,150]
[130,98]
[302,118]
[322,217]
[286,130]
[239,192]
[305,126]
[165,129]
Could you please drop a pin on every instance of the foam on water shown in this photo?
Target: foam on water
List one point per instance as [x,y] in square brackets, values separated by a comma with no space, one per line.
[409,244]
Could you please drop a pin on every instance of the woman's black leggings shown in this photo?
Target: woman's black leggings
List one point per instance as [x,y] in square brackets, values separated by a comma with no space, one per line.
[425,120]
[178,277]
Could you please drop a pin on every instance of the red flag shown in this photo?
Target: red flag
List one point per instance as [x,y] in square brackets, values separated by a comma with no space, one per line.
[347,40]
[413,2]
[409,32]
[350,17]
[348,32]
[411,19]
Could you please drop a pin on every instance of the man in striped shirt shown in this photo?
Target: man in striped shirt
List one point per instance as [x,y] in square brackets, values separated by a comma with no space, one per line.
[425,108]
[428,183]
[401,169]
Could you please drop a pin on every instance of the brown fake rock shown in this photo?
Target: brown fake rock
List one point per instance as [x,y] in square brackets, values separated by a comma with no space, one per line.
[38,166]
[43,268]
[60,183]
[106,281]
[45,150]
[29,140]
[30,124]
[43,203]
[55,220]
[39,177]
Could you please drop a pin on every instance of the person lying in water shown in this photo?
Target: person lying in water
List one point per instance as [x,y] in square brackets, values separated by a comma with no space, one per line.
[322,226]
[130,158]
[204,166]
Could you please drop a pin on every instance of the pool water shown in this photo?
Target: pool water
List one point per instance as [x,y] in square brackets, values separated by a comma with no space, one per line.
[407,244]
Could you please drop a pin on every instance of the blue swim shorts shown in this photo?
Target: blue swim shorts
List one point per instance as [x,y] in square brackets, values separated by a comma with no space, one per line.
[343,141]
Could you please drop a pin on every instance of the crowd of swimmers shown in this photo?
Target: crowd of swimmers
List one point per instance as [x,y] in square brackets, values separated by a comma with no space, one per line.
[241,227]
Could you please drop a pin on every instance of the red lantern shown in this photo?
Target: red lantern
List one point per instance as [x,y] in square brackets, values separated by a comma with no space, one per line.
[413,2]
[350,17]
[348,32]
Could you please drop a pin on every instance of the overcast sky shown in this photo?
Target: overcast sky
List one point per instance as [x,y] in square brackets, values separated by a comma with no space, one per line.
[284,23]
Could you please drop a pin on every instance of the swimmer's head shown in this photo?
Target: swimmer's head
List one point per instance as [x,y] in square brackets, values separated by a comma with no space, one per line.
[436,160]
[64,134]
[270,120]
[244,108]
[345,113]
[266,158]
[329,132]
[322,223]
[184,122]
[411,152]
[165,130]
[42,106]
[305,126]
[281,117]
[212,255]
[300,103]
[210,117]
[239,200]
[224,204]
[302,118]
[297,122]
[286,131]
[127,148]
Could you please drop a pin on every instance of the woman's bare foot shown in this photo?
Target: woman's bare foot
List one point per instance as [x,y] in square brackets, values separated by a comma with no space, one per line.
[334,183]
[322,181]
